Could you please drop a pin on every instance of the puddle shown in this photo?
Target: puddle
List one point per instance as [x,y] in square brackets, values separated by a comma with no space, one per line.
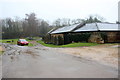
[12,57]
[116,46]
[31,53]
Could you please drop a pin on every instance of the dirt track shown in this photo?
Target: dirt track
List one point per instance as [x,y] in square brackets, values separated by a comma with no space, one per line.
[106,54]
[44,62]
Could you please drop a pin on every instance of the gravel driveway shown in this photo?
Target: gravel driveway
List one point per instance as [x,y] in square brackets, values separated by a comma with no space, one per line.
[44,62]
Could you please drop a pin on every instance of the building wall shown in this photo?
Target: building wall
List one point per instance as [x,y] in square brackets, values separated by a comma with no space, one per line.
[57,39]
[56,35]
[113,36]
[96,38]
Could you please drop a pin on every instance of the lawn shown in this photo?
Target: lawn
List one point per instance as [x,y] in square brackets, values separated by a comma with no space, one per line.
[14,41]
[5,41]
[0,40]
[69,45]
[1,52]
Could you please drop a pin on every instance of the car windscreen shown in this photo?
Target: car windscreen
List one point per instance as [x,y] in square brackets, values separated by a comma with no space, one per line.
[22,40]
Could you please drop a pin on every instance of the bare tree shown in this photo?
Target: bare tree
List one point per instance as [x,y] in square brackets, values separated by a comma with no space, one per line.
[32,24]
[43,28]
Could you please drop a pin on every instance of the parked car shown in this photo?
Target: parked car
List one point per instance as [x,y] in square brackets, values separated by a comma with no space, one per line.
[22,42]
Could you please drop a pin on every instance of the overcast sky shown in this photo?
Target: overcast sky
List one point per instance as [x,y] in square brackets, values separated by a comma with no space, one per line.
[53,9]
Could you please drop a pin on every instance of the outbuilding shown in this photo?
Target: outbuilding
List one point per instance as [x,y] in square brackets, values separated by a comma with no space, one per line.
[90,32]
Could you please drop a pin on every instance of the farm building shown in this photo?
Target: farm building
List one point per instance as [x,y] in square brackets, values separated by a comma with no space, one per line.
[90,32]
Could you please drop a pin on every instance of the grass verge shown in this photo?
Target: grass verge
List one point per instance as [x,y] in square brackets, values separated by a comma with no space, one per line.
[30,44]
[1,52]
[69,45]
[11,41]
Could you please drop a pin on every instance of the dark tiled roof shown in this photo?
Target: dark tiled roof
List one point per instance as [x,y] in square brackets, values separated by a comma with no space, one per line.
[99,27]
[65,29]
[88,27]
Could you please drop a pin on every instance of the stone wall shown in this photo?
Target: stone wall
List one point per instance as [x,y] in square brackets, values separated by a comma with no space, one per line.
[57,39]
[113,36]
[95,38]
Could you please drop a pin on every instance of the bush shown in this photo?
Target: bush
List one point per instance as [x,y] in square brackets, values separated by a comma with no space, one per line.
[68,38]
[60,40]
[81,37]
[104,36]
[47,39]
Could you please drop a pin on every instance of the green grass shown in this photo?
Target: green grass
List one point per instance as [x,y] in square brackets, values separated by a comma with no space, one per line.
[30,44]
[14,41]
[0,40]
[34,38]
[1,52]
[69,45]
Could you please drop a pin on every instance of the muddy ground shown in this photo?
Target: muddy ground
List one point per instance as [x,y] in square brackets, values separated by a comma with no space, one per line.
[106,54]
[45,62]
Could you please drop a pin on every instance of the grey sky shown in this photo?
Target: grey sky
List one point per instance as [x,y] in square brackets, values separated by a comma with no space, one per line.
[53,9]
